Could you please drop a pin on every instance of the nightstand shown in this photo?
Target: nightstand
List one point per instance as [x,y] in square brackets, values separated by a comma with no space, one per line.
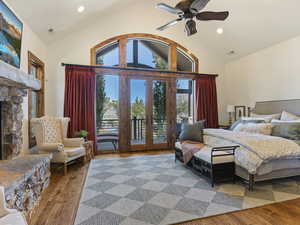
[89,150]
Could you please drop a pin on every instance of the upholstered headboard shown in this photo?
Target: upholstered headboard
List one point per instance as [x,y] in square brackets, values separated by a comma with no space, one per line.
[272,107]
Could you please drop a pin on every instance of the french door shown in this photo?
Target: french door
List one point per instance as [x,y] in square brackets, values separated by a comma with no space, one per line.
[149,119]
[135,113]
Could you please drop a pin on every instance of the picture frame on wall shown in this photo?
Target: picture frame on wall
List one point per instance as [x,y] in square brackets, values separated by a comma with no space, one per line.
[240,111]
[11,30]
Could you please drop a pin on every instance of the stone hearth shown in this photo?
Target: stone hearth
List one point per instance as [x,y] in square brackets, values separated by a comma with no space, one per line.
[23,177]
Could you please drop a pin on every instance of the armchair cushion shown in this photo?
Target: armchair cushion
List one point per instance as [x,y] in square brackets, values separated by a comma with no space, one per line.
[51,147]
[71,152]
[73,142]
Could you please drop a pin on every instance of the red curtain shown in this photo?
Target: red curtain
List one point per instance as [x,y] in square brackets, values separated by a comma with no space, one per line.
[80,99]
[206,101]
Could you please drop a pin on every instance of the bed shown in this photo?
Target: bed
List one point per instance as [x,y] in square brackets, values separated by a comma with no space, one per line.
[273,158]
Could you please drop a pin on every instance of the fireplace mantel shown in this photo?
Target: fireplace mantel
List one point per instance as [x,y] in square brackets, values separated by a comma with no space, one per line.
[13,77]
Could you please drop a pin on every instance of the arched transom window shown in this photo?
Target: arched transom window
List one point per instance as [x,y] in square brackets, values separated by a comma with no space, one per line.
[144,51]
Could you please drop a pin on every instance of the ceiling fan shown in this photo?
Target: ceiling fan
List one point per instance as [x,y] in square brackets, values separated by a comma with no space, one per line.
[188,10]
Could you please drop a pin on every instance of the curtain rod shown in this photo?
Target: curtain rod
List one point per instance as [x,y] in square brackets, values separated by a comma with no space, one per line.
[139,69]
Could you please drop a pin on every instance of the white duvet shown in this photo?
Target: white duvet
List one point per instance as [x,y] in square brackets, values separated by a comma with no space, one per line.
[255,149]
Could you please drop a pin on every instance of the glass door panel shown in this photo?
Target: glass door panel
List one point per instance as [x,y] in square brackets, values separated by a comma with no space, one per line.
[107,112]
[138,100]
[159,111]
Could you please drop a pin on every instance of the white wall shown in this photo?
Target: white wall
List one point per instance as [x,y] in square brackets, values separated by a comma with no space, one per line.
[270,74]
[141,17]
[30,42]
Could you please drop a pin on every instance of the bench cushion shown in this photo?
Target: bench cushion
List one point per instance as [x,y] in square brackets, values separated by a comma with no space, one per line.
[205,154]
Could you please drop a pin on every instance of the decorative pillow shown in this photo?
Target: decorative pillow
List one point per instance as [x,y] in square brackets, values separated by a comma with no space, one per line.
[286,116]
[192,132]
[255,128]
[267,118]
[286,129]
[245,120]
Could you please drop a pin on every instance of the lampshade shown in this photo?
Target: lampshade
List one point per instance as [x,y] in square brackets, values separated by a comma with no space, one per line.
[230,108]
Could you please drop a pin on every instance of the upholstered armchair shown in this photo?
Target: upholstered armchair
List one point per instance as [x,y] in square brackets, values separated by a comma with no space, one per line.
[9,216]
[51,137]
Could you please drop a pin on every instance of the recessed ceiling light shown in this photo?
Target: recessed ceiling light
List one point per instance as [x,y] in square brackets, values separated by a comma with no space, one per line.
[81,9]
[220,30]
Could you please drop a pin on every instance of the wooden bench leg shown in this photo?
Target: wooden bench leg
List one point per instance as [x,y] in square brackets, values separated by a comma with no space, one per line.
[65,168]
[251,182]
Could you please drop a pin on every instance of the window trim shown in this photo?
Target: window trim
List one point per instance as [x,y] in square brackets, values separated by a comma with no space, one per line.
[39,64]
[123,39]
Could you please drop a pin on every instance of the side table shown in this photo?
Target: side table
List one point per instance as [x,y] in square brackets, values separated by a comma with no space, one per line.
[89,149]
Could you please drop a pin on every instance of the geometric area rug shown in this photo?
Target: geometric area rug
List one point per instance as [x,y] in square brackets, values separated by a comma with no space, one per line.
[154,190]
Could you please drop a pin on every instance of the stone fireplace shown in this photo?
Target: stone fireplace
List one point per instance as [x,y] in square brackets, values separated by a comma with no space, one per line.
[11,99]
[14,84]
[24,177]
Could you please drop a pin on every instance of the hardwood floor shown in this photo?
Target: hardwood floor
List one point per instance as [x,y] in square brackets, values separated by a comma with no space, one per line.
[59,203]
[60,200]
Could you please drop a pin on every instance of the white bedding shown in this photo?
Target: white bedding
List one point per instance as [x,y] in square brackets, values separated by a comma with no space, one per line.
[258,154]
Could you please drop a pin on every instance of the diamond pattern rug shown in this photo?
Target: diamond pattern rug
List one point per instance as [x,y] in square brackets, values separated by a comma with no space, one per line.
[154,190]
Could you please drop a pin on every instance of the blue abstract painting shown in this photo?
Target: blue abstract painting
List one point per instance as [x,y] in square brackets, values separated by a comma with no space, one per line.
[11,29]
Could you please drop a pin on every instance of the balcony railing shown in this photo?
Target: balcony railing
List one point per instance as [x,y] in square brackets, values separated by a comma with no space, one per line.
[138,128]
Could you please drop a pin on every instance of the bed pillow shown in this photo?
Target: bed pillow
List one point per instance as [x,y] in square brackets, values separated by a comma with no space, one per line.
[245,120]
[286,116]
[192,132]
[286,129]
[255,128]
[267,118]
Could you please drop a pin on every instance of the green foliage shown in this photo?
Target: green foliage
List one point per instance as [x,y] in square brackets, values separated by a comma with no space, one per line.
[100,100]
[159,90]
[138,108]
[182,106]
[159,62]
[115,105]
[81,133]
[159,99]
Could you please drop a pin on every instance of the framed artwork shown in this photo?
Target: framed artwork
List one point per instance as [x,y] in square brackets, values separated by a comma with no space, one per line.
[240,111]
[11,29]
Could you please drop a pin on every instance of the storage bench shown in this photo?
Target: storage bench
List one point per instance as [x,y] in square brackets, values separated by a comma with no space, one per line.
[214,163]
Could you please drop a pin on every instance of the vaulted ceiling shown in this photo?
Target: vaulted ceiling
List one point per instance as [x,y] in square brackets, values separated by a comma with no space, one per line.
[252,25]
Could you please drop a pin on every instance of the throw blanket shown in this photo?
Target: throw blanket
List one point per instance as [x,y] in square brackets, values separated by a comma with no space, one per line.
[256,149]
[189,148]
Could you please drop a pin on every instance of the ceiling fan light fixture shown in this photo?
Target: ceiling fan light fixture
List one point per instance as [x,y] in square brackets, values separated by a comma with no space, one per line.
[80,9]
[190,27]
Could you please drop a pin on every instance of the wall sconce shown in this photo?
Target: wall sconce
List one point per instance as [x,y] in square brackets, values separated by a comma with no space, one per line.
[230,110]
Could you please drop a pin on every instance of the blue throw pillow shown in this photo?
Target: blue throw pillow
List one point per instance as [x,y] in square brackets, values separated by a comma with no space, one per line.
[192,132]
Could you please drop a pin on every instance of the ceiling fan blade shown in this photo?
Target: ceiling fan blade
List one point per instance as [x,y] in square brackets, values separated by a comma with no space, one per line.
[205,16]
[170,24]
[198,5]
[168,8]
